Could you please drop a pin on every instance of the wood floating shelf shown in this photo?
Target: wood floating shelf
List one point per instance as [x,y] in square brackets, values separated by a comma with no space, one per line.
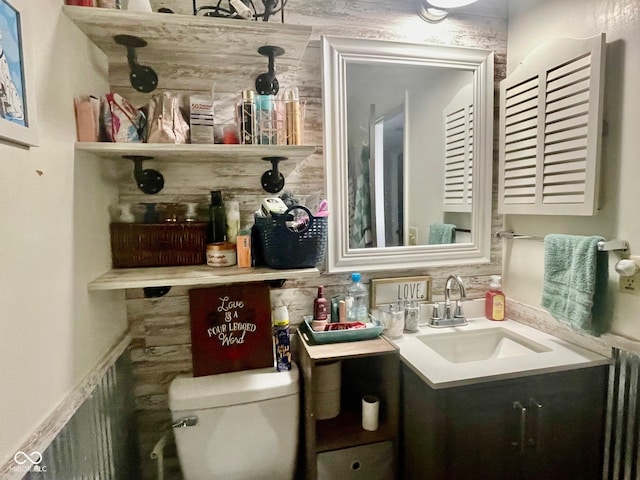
[192,152]
[345,430]
[122,278]
[194,50]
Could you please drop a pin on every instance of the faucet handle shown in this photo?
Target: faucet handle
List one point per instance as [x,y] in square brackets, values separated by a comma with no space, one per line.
[435,313]
[458,313]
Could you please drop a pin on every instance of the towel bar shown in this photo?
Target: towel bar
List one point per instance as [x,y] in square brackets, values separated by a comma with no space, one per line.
[603,246]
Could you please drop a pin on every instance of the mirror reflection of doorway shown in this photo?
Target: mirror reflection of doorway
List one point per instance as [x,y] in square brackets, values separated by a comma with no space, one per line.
[388,168]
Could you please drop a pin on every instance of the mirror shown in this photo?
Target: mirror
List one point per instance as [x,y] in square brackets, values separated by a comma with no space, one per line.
[408,153]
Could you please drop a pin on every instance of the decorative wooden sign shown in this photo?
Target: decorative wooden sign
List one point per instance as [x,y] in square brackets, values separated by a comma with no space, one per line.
[392,290]
[231,328]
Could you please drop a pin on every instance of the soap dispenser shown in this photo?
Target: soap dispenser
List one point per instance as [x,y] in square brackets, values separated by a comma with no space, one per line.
[494,304]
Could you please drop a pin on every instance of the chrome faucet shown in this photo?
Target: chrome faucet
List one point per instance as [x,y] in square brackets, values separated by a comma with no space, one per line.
[449,319]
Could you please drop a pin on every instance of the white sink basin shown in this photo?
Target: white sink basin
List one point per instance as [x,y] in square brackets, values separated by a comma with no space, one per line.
[484,351]
[481,344]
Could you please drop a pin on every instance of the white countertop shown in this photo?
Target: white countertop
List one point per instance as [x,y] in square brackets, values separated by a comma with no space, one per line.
[441,373]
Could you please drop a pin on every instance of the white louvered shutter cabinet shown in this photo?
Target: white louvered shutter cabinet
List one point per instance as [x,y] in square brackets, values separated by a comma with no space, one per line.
[551,130]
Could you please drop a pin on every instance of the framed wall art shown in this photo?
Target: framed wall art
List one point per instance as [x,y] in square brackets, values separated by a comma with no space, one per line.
[17,97]
[231,328]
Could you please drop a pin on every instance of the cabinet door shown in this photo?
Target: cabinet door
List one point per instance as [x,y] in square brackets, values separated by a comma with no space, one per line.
[537,428]
[565,425]
[484,433]
[468,433]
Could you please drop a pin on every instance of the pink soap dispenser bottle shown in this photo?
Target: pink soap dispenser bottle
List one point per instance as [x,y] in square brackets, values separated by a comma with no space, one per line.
[494,302]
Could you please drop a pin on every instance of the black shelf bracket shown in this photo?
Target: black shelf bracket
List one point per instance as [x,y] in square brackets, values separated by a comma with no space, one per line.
[155,292]
[267,83]
[143,78]
[272,180]
[150,181]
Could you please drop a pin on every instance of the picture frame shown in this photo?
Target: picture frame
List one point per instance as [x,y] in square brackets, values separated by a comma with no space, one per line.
[17,96]
[392,290]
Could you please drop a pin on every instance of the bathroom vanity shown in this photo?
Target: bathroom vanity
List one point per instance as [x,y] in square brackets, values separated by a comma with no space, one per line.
[544,426]
[508,402]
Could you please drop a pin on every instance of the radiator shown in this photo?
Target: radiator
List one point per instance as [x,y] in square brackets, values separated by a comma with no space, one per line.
[99,441]
[621,434]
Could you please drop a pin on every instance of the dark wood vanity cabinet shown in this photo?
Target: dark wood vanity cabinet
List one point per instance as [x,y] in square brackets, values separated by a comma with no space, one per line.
[539,427]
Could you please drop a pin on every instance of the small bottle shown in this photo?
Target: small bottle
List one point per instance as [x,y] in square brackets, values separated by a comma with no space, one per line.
[320,305]
[217,217]
[494,304]
[281,340]
[150,213]
[247,119]
[265,120]
[126,216]
[357,300]
[232,211]
[293,117]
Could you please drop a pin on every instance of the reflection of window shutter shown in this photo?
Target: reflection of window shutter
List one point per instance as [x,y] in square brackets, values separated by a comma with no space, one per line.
[551,128]
[458,152]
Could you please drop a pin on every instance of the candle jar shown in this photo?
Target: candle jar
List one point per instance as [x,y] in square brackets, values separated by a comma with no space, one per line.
[172,212]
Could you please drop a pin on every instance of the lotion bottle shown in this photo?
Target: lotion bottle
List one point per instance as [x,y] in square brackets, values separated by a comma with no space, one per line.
[320,305]
[494,304]
[232,212]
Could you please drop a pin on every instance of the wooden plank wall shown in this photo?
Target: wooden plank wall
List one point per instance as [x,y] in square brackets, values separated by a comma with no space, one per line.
[160,327]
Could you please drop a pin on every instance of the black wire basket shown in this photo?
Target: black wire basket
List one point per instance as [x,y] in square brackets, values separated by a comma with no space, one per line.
[288,241]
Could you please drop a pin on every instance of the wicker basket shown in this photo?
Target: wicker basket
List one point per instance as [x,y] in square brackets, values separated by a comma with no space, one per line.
[158,244]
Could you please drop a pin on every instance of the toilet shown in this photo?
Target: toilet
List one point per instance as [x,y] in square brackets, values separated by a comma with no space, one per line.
[237,426]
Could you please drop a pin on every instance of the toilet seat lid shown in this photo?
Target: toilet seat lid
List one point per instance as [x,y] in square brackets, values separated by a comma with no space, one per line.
[235,388]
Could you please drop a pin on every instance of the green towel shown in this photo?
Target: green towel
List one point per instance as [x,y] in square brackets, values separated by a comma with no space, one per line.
[440,233]
[575,281]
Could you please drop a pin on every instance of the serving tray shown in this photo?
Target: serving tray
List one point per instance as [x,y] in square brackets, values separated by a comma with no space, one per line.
[339,336]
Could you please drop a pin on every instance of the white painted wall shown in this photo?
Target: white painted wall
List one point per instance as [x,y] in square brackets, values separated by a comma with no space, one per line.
[54,239]
[532,22]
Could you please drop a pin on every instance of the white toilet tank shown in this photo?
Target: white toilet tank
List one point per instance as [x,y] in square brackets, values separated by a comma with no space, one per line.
[237,426]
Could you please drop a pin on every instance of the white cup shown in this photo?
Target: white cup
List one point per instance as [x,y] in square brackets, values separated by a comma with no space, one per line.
[370,410]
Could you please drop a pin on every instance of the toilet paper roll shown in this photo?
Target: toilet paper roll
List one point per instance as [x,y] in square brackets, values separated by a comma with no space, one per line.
[370,411]
[327,404]
[328,377]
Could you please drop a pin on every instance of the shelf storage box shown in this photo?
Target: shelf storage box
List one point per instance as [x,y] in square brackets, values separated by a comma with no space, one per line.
[365,462]
[158,244]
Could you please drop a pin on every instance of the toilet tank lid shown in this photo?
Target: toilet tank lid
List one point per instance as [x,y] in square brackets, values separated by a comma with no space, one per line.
[234,388]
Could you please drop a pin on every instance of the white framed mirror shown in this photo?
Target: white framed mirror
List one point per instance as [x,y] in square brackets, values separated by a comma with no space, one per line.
[408,141]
